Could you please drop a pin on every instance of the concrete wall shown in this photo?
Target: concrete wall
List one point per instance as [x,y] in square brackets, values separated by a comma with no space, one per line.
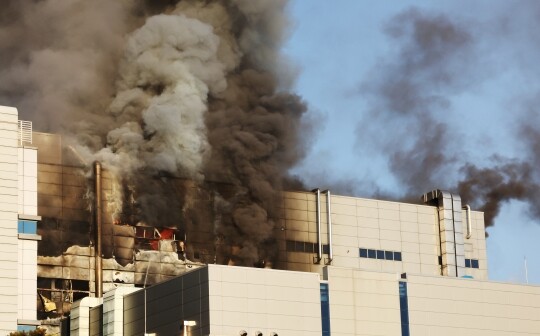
[269,301]
[8,219]
[113,310]
[451,306]
[27,249]
[368,303]
[363,303]
[223,300]
[80,316]
[410,229]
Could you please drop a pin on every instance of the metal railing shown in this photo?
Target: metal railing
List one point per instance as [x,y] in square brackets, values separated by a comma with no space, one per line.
[25,132]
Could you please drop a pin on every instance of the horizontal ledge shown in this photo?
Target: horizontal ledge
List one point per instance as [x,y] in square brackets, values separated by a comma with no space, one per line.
[29,236]
[29,217]
[28,322]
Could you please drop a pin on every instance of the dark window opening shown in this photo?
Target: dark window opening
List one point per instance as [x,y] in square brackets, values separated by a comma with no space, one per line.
[325,310]
[379,254]
[307,247]
[290,245]
[474,263]
[404,308]
[326,249]
[363,253]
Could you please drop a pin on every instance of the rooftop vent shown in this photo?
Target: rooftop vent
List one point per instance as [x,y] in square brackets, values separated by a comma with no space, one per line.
[25,132]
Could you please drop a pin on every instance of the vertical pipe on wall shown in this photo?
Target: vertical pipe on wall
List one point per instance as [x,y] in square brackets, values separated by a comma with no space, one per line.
[469,225]
[319,240]
[98,267]
[329,222]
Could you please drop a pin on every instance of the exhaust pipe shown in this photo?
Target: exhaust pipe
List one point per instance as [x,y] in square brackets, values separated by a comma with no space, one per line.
[98,265]
[329,222]
[469,224]
[319,240]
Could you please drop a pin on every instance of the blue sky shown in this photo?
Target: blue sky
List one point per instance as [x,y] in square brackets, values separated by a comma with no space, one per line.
[339,47]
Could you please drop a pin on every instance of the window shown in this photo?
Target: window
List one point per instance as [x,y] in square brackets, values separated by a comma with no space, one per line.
[325,310]
[404,308]
[472,263]
[27,226]
[380,254]
[325,249]
[290,245]
[307,247]
[363,253]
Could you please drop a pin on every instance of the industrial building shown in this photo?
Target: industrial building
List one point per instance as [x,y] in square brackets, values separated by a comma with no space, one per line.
[340,265]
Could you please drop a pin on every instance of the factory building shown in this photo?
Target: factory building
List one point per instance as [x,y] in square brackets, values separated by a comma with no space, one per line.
[18,223]
[340,265]
[228,300]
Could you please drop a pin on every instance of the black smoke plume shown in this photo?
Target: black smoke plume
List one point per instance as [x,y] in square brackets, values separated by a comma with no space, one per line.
[162,90]
[412,121]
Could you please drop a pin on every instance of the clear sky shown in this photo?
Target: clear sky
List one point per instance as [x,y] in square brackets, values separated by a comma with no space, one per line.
[479,83]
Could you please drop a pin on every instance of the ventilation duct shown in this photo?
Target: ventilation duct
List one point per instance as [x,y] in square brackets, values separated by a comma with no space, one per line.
[450,231]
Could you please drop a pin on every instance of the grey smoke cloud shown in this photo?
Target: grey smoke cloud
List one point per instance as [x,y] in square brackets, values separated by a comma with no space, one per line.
[409,93]
[435,58]
[157,90]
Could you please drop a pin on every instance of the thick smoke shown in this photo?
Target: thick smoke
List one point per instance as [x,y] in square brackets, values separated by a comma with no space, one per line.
[435,59]
[409,93]
[161,90]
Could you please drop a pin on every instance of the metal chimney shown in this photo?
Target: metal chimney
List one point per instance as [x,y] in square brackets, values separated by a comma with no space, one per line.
[98,267]
[450,231]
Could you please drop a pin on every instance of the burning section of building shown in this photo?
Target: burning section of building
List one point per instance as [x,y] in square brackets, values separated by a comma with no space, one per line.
[184,104]
[136,250]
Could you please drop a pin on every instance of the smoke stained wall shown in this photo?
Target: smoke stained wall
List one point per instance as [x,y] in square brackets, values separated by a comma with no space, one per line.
[163,90]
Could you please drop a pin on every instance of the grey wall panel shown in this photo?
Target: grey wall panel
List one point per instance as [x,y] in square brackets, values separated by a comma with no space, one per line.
[133,300]
[76,214]
[50,189]
[96,321]
[169,304]
[48,168]
[49,147]
[192,294]
[51,212]
[49,177]
[51,201]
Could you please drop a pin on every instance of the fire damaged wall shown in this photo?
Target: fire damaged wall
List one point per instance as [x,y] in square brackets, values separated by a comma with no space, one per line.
[134,252]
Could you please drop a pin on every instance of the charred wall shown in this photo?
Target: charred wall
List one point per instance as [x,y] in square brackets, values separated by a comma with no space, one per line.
[134,251]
